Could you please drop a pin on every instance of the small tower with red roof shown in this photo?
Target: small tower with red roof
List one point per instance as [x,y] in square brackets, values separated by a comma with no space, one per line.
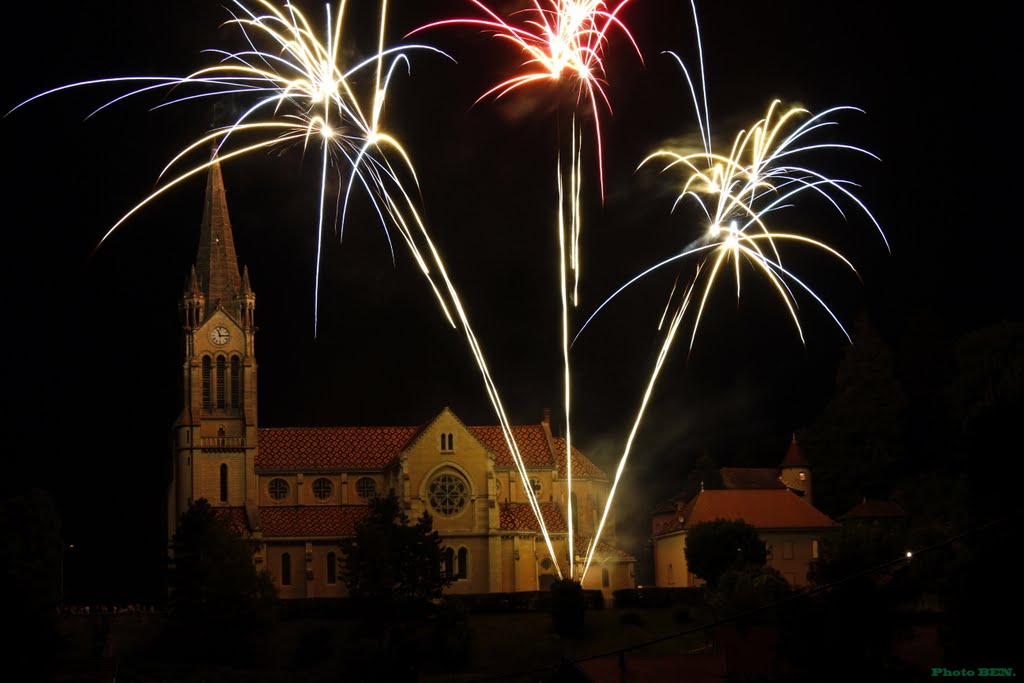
[795,471]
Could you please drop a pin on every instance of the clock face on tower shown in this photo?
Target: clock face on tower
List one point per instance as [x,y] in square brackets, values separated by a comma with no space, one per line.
[220,335]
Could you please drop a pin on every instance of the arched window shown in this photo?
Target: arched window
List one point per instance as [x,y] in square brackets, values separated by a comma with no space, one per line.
[236,382]
[286,569]
[443,441]
[221,370]
[451,442]
[463,567]
[207,371]
[605,578]
[332,568]
[448,563]
[223,483]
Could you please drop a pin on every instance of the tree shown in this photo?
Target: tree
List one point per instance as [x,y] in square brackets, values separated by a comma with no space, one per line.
[865,588]
[745,592]
[712,548]
[30,562]
[219,603]
[394,577]
[990,371]
[857,442]
[392,567]
[857,547]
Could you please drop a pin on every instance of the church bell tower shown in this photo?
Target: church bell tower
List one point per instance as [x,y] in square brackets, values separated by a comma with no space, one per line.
[214,441]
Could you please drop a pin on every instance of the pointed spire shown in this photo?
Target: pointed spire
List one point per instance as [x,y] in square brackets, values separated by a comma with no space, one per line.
[192,288]
[216,262]
[794,456]
[246,287]
[191,301]
[245,303]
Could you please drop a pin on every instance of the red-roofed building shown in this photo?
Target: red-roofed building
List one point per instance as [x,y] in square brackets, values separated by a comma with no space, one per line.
[874,511]
[790,527]
[776,501]
[300,491]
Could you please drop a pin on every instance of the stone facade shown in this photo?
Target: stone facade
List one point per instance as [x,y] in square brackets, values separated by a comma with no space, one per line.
[299,492]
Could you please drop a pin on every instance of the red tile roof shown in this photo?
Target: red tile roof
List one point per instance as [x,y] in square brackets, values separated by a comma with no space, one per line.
[604,550]
[763,509]
[534,448]
[372,448]
[874,509]
[327,521]
[520,517]
[236,519]
[330,447]
[582,466]
[532,442]
[794,456]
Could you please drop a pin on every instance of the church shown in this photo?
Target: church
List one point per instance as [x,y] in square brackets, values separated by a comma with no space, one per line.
[297,492]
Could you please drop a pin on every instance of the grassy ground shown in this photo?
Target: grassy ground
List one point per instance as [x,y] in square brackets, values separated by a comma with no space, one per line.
[523,647]
[508,647]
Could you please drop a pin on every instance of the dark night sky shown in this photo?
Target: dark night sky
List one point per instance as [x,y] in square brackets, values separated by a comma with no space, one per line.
[92,354]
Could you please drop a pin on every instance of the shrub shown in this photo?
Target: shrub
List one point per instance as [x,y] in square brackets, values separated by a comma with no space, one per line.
[568,604]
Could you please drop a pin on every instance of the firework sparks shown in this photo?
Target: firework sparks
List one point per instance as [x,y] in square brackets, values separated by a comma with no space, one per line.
[303,95]
[741,196]
[561,41]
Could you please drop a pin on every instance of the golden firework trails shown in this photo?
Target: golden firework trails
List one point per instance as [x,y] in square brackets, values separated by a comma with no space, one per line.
[304,95]
[560,40]
[740,195]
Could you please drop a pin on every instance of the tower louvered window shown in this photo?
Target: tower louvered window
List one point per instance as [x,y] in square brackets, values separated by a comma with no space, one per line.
[221,371]
[207,389]
[236,382]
